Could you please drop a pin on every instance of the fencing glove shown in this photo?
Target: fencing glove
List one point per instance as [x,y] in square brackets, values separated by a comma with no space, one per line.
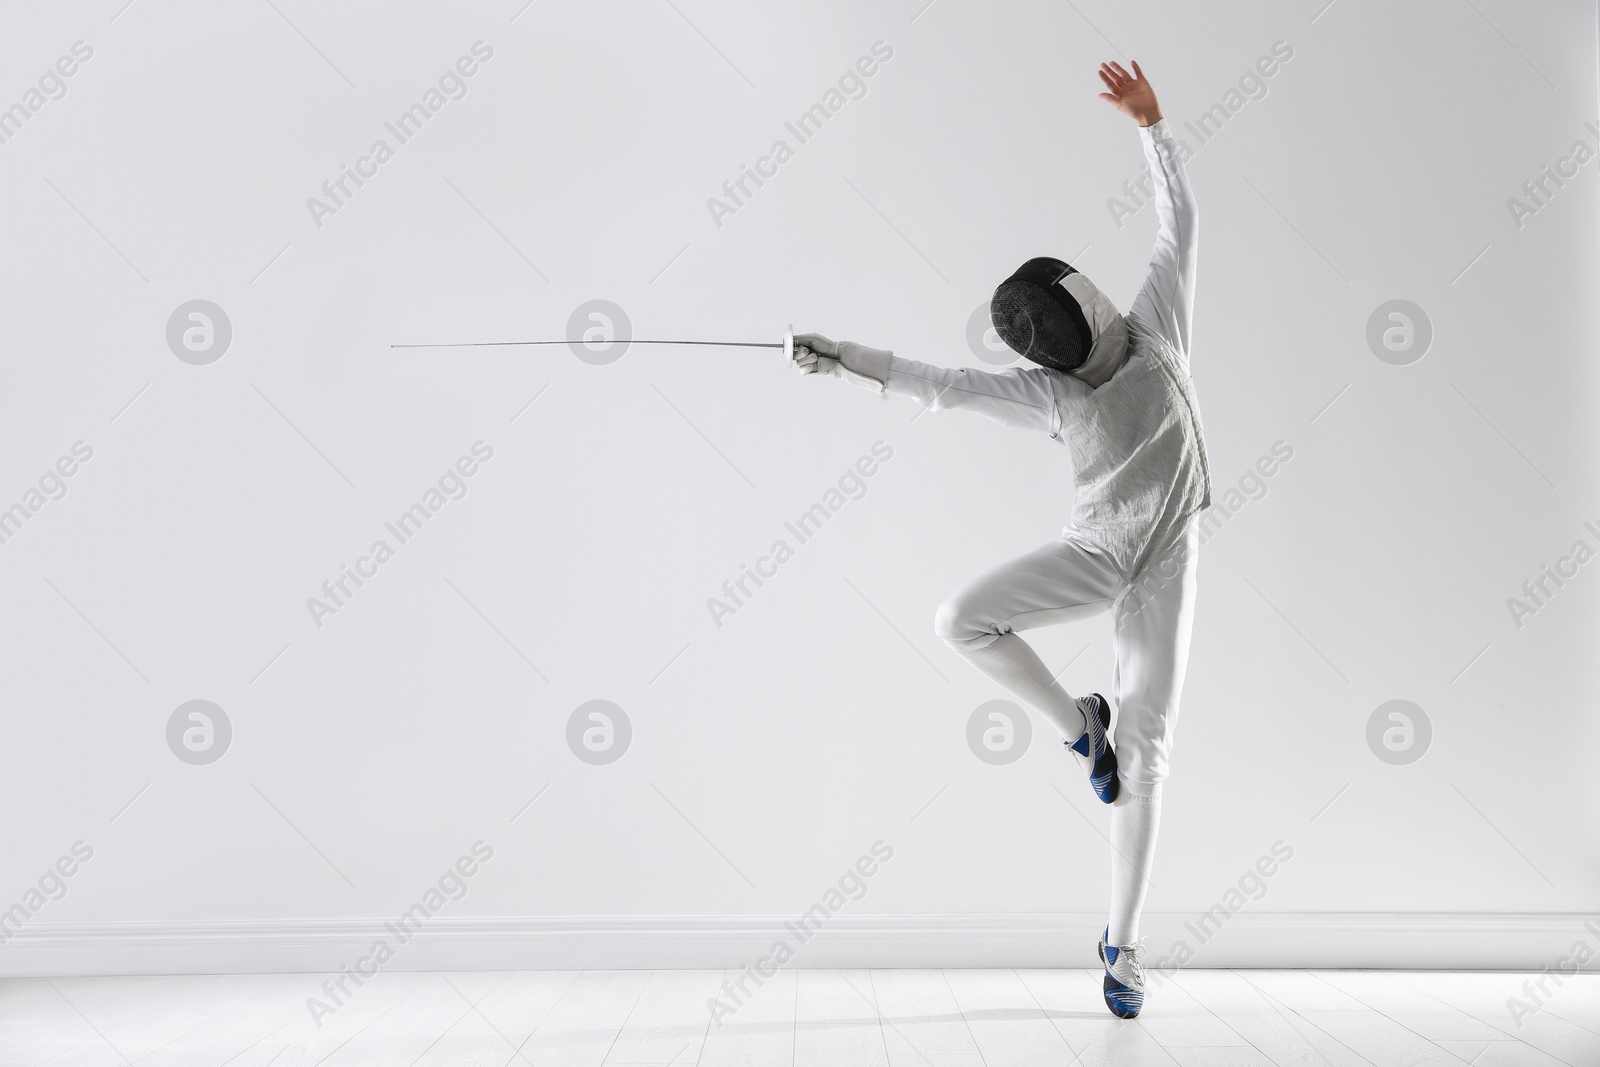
[857,364]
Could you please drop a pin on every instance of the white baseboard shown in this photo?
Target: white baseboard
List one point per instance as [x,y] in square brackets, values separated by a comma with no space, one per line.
[1498,941]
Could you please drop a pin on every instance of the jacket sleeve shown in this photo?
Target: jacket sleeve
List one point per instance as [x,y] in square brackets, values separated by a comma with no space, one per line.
[1166,302]
[1022,397]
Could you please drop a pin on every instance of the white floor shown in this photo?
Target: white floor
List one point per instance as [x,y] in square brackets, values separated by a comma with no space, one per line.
[923,1018]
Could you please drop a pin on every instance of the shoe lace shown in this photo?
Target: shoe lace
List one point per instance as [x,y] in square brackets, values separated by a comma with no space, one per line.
[1135,956]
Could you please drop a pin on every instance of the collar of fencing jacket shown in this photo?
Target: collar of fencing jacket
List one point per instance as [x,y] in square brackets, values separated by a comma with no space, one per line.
[1106,325]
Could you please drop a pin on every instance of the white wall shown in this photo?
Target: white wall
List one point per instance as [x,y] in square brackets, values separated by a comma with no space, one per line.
[767,754]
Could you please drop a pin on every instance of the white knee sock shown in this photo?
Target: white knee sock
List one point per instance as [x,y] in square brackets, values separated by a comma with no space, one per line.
[1134,820]
[1012,662]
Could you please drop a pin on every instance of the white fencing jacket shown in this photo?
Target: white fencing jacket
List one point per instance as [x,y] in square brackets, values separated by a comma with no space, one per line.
[1138,452]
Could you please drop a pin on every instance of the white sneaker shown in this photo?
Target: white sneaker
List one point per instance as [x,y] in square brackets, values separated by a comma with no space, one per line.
[1124,984]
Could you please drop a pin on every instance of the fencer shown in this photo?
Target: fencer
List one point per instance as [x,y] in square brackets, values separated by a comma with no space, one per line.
[1116,391]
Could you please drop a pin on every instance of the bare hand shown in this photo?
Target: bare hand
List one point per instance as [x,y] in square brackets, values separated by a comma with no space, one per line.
[1130,93]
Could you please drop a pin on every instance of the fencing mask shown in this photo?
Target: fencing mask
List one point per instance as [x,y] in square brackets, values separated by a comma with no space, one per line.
[1051,314]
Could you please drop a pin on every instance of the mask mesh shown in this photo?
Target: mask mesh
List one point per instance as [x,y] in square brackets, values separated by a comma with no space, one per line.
[1035,326]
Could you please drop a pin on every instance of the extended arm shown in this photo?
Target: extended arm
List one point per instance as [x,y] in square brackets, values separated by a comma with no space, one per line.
[1020,397]
[1166,302]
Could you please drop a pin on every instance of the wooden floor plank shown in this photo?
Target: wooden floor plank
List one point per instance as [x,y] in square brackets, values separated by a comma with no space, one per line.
[598,1000]
[1587,984]
[1275,1030]
[585,1021]
[566,1048]
[837,1021]
[25,1005]
[1546,1032]
[48,1027]
[1500,1054]
[668,1023]
[125,1013]
[1219,1056]
[1008,1024]
[164,1022]
[883,1018]
[1176,1019]
[235,1030]
[1410,1007]
[95,1054]
[407,1031]
[472,1040]
[1302,991]
[1562,1001]
[759,1032]
[920,1014]
[500,1021]
[112,1001]
[1073,1002]
[307,1040]
[1380,1040]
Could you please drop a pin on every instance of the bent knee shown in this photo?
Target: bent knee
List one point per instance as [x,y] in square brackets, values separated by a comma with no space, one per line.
[958,624]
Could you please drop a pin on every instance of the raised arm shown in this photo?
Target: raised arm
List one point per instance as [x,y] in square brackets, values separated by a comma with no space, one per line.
[1166,301]
[1020,397]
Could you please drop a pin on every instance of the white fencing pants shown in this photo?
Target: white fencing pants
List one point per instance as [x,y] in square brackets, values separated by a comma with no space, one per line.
[1069,579]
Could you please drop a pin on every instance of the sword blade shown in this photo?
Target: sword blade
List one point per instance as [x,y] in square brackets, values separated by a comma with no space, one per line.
[492,344]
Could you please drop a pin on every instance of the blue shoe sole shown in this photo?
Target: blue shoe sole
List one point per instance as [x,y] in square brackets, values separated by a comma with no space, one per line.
[1116,994]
